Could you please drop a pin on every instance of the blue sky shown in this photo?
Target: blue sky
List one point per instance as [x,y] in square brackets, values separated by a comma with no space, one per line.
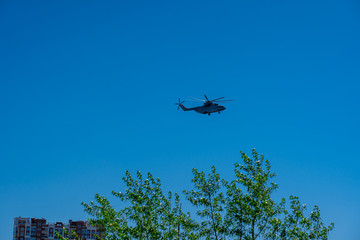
[87,91]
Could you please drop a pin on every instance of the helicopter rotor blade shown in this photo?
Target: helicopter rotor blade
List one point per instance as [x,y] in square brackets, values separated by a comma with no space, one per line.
[216,99]
[198,99]
[206,97]
[179,103]
[224,101]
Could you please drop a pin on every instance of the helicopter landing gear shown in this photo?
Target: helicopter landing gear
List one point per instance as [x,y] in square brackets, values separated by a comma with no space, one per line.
[219,112]
[209,114]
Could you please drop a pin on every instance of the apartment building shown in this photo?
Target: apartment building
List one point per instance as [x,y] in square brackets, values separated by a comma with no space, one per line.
[39,229]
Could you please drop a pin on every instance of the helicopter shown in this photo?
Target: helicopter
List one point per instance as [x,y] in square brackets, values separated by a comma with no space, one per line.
[209,106]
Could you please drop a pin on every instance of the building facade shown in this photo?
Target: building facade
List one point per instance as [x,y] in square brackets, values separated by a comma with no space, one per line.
[39,229]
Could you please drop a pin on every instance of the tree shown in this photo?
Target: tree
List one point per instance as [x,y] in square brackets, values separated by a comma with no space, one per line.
[207,195]
[242,209]
[295,225]
[150,214]
[249,204]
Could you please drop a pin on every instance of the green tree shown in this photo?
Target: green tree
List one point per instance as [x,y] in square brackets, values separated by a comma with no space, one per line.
[294,225]
[207,196]
[249,204]
[242,209]
[150,214]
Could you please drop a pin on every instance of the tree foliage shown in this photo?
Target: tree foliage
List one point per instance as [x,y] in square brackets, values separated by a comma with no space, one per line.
[149,214]
[249,204]
[206,194]
[242,208]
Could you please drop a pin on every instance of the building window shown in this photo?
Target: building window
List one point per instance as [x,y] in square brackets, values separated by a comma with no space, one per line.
[59,230]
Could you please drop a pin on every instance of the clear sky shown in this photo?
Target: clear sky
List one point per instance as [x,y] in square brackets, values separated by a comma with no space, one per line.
[87,91]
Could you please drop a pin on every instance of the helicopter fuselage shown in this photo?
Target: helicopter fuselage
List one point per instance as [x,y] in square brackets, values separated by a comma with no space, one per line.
[209,106]
[206,109]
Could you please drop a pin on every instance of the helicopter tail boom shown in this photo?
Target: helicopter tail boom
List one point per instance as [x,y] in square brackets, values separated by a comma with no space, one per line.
[184,108]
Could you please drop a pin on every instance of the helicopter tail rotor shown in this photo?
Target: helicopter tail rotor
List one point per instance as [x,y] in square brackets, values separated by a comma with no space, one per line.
[179,103]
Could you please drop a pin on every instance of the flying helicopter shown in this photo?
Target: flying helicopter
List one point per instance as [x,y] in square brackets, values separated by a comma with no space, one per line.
[209,106]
